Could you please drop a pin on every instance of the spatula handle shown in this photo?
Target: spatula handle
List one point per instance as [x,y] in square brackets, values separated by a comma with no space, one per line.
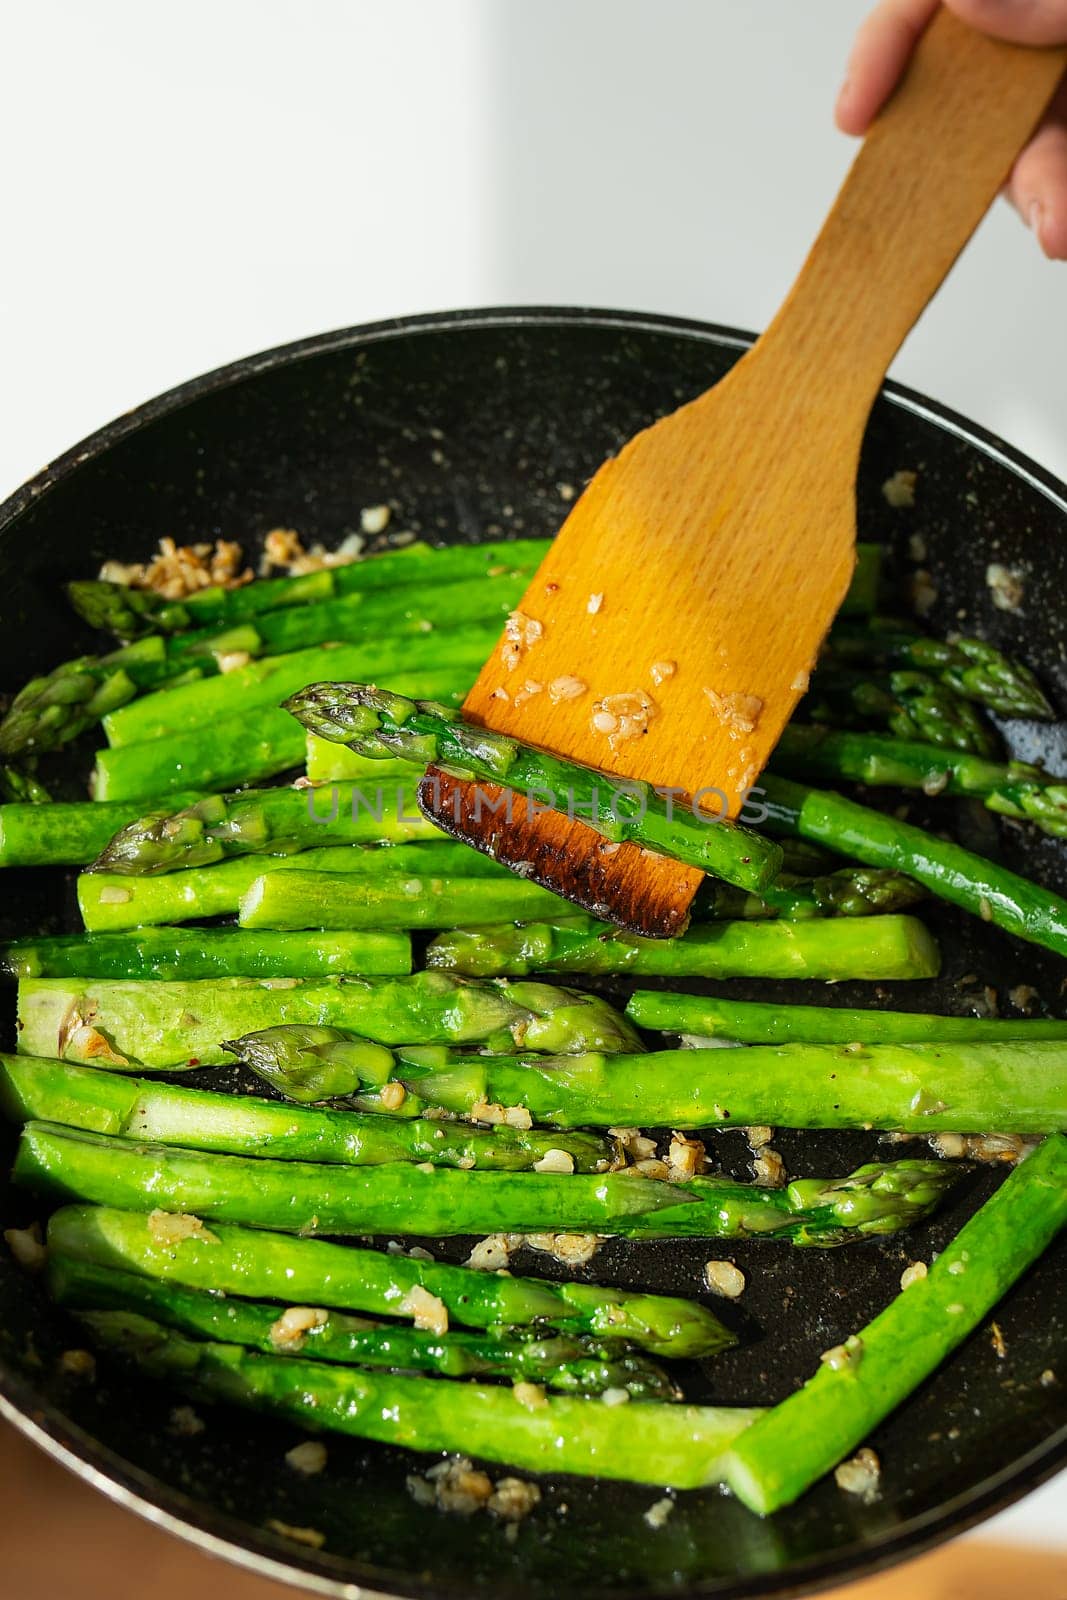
[925,175]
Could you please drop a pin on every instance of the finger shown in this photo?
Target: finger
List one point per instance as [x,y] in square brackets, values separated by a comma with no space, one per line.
[1023,21]
[879,55]
[1037,187]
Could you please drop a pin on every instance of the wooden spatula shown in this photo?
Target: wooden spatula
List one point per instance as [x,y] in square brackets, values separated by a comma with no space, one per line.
[671,628]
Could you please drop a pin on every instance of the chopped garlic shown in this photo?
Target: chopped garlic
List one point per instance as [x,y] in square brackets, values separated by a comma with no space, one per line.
[169,1228]
[28,1247]
[723,1278]
[428,1312]
[594,603]
[659,1511]
[899,490]
[557,1161]
[392,1095]
[375,519]
[307,1458]
[530,1395]
[860,1475]
[566,688]
[914,1272]
[289,1330]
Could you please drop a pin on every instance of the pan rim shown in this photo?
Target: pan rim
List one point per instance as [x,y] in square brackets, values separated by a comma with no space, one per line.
[219,1534]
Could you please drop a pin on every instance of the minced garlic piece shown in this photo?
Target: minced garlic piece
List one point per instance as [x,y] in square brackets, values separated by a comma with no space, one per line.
[374,519]
[723,1278]
[914,1272]
[513,1499]
[28,1247]
[1006,585]
[566,688]
[768,1168]
[494,1253]
[558,1161]
[615,1397]
[172,1227]
[231,660]
[594,603]
[491,1112]
[309,1536]
[572,1249]
[428,1312]
[78,1364]
[530,1395]
[660,671]
[178,571]
[185,1423]
[307,1458]
[622,717]
[289,1330]
[739,713]
[685,1158]
[658,1512]
[899,490]
[392,1095]
[860,1475]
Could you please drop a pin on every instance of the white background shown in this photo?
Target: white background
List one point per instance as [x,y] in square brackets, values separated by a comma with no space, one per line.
[183,185]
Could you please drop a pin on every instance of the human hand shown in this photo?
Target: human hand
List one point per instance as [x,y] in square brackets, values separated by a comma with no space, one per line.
[1037,185]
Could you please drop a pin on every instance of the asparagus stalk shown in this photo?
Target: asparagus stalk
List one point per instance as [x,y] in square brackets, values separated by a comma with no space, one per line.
[130,613]
[267,681]
[573,1364]
[882,948]
[1012,1085]
[109,900]
[266,822]
[175,1025]
[912,705]
[1012,788]
[849,892]
[223,754]
[53,709]
[982,887]
[756,1022]
[326,762]
[254,1263]
[375,722]
[35,1089]
[804,1436]
[972,668]
[309,1197]
[328,900]
[681,1445]
[65,833]
[364,617]
[180,953]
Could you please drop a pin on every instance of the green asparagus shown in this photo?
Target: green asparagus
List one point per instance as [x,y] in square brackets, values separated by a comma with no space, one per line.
[340,900]
[756,1022]
[109,900]
[177,953]
[266,822]
[982,887]
[65,833]
[864,947]
[326,762]
[251,1262]
[972,668]
[912,705]
[396,1198]
[174,1025]
[1012,788]
[803,1437]
[375,722]
[1011,1085]
[570,1363]
[225,753]
[130,613]
[267,681]
[35,1089]
[681,1445]
[51,710]
[19,786]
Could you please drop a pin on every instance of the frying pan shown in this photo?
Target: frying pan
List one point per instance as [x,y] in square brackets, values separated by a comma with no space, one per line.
[470,423]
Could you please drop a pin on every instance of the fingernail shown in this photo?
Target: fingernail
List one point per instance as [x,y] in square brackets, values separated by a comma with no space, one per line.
[1035,215]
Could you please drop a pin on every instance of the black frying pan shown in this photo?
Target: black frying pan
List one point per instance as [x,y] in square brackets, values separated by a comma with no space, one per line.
[469,423]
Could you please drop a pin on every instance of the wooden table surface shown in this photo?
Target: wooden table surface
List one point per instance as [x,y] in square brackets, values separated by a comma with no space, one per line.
[61,1540]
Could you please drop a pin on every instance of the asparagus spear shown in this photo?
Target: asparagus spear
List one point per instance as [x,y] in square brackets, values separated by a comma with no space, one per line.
[1012,1085]
[223,754]
[364,617]
[801,1438]
[267,681]
[972,668]
[65,833]
[309,1197]
[912,705]
[19,786]
[110,900]
[130,613]
[982,887]
[864,947]
[53,709]
[573,1364]
[174,1025]
[1012,788]
[681,1445]
[755,1022]
[35,1089]
[266,822]
[328,900]
[251,1262]
[390,724]
[178,953]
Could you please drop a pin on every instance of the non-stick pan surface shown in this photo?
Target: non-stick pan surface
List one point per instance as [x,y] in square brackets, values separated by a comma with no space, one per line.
[471,424]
